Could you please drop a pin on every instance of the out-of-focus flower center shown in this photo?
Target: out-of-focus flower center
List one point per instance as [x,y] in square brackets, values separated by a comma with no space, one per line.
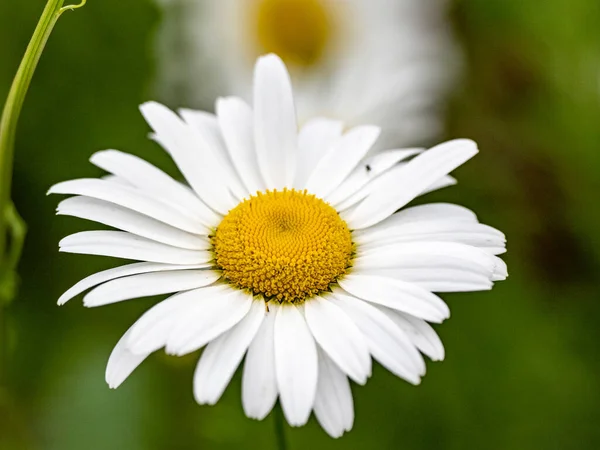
[297,30]
[287,245]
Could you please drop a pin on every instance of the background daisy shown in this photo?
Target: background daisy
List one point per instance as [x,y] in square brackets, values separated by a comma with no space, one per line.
[388,62]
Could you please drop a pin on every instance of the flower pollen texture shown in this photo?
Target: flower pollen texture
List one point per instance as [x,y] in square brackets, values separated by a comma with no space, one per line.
[286,245]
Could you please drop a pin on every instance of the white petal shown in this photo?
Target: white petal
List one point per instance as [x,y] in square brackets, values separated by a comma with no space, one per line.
[223,355]
[388,344]
[132,198]
[137,172]
[334,407]
[341,159]
[119,244]
[116,179]
[396,294]
[441,183]
[339,337]
[236,123]
[416,176]
[432,255]
[259,386]
[152,330]
[201,119]
[441,230]
[420,213]
[274,122]
[296,364]
[433,211]
[420,333]
[434,278]
[210,316]
[500,270]
[122,362]
[148,284]
[387,177]
[193,154]
[368,170]
[208,127]
[315,139]
[117,272]
[127,220]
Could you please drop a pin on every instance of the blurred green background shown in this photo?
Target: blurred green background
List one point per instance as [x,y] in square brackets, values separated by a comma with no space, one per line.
[522,366]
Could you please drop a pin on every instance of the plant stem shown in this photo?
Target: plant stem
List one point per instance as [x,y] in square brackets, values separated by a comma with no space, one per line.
[16,97]
[4,341]
[9,281]
[10,222]
[279,423]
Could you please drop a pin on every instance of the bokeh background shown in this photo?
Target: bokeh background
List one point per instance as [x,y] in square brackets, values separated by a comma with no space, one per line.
[522,367]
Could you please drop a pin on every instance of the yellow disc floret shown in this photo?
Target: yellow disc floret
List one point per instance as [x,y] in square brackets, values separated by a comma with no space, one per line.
[297,30]
[286,245]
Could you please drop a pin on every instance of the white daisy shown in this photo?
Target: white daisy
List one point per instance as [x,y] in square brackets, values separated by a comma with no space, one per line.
[286,246]
[388,62]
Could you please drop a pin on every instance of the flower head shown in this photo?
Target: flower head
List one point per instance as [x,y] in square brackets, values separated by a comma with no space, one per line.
[388,62]
[287,248]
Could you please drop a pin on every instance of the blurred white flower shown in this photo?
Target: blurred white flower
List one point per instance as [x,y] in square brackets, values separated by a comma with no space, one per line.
[384,62]
[285,247]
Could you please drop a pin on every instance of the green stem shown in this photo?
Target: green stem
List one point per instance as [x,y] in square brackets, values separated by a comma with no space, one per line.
[4,341]
[279,423]
[8,283]
[17,228]
[16,97]
[10,222]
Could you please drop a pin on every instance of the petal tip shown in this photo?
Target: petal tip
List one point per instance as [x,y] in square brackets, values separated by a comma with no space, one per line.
[269,58]
[149,104]
[112,381]
[254,414]
[270,63]
[415,381]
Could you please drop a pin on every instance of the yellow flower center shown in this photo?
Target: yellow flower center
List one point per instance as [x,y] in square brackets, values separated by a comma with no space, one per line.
[298,31]
[286,245]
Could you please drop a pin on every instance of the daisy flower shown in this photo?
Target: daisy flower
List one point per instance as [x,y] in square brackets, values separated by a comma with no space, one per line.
[285,246]
[388,62]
